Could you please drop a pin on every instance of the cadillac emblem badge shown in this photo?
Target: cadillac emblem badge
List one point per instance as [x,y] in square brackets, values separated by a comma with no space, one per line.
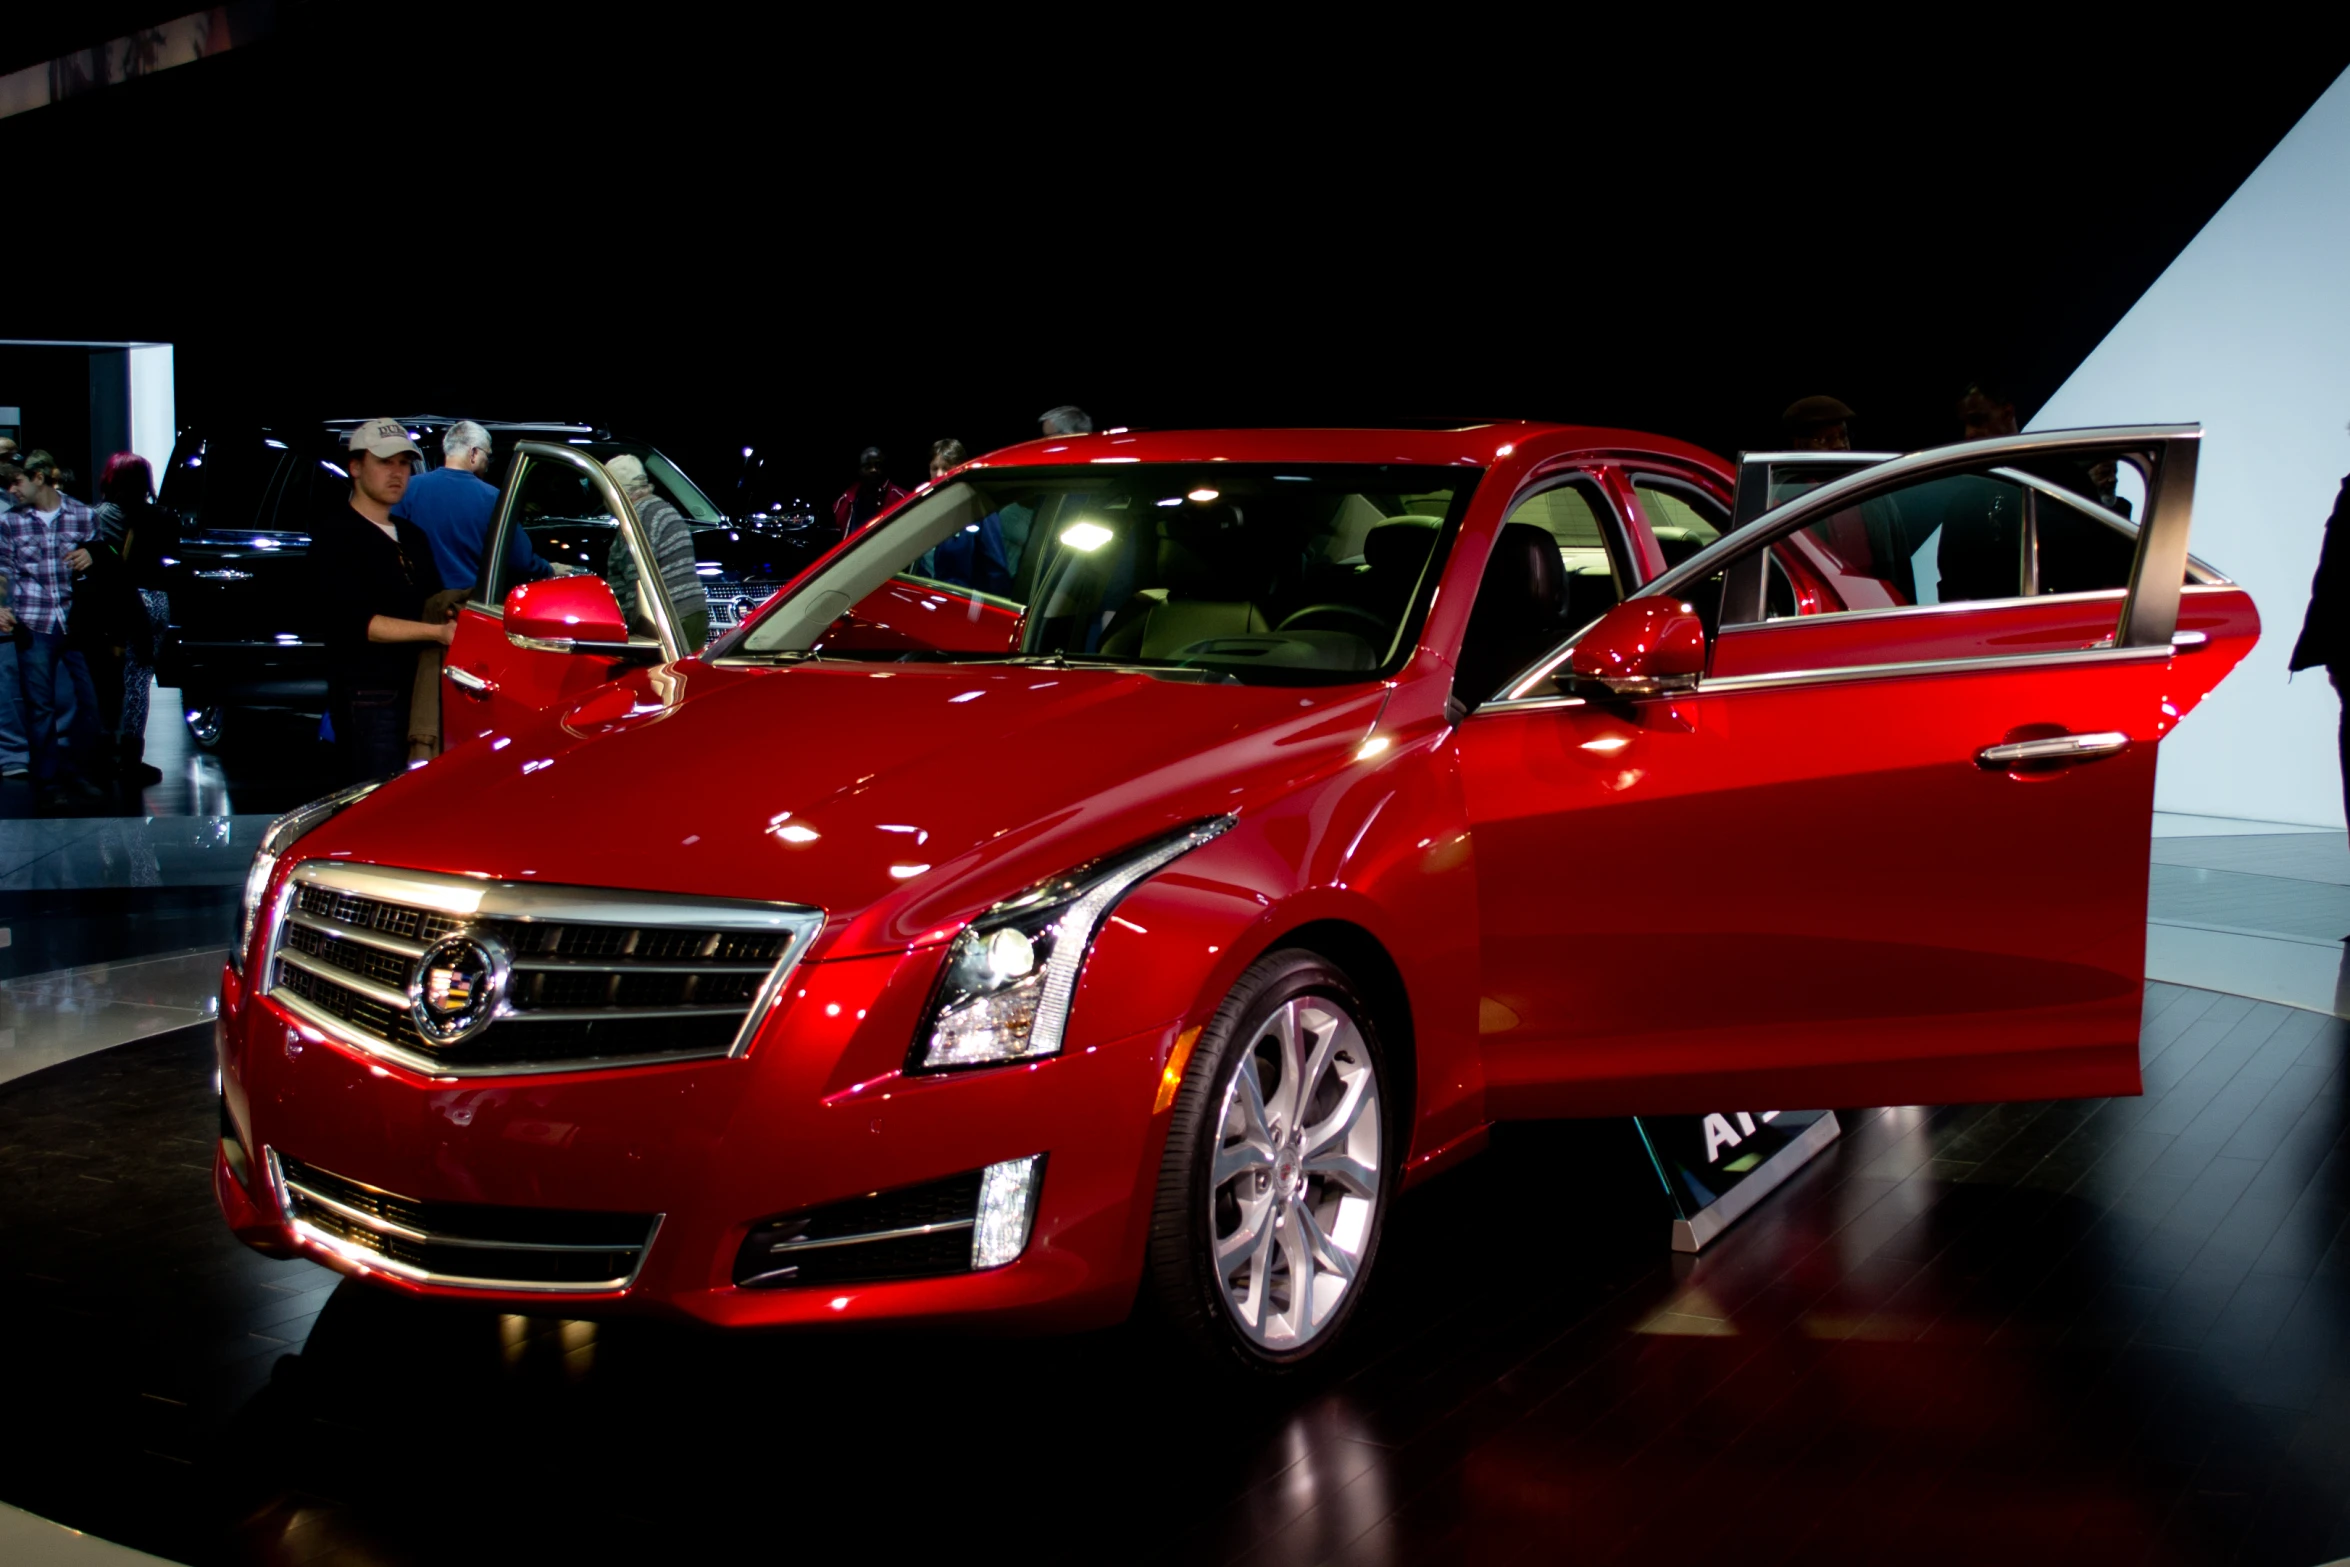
[455,988]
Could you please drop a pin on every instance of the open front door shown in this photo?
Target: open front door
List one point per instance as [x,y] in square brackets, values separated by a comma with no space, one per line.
[560,513]
[1891,847]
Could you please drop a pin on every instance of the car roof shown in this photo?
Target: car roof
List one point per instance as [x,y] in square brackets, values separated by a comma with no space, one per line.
[1474,445]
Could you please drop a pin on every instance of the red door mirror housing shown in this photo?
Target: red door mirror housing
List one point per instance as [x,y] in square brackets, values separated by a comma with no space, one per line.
[1642,647]
[565,615]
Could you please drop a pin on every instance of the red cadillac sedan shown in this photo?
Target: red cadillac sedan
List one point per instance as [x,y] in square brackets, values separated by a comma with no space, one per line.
[1135,859]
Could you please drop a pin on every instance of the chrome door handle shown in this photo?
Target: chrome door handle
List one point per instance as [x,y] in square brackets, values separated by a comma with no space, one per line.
[2056,748]
[470,683]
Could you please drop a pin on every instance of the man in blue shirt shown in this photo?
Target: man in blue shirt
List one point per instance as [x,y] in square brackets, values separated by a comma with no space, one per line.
[453,505]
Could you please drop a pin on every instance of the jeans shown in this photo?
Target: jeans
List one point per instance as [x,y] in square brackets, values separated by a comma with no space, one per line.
[138,673]
[12,749]
[41,661]
[371,733]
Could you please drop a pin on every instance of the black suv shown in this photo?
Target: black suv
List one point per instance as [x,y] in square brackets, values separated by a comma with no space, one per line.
[242,631]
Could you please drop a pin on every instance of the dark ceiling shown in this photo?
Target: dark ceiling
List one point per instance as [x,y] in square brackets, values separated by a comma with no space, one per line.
[808,237]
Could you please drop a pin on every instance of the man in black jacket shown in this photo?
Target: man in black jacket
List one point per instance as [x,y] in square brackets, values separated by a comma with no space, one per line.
[2325,630]
[373,574]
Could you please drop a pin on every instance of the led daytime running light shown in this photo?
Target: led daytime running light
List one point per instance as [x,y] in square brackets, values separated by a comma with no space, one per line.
[1024,1010]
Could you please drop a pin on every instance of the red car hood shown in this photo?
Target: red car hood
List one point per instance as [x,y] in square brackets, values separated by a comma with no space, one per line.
[901,800]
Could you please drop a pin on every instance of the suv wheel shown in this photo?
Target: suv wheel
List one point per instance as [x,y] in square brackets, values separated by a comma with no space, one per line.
[1277,1174]
[205,723]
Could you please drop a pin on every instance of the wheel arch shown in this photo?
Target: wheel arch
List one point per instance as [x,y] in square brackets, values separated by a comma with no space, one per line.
[1365,960]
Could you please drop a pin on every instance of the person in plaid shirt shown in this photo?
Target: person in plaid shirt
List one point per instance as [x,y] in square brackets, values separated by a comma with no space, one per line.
[44,540]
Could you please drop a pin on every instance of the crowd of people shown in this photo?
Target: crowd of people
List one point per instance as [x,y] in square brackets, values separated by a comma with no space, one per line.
[82,616]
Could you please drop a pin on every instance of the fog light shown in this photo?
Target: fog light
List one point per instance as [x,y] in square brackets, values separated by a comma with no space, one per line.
[1007,1207]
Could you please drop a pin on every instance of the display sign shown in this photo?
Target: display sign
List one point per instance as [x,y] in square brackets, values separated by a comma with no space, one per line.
[1717,1165]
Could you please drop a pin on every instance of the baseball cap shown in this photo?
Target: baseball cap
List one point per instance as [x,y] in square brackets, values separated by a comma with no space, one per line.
[383,438]
[1809,413]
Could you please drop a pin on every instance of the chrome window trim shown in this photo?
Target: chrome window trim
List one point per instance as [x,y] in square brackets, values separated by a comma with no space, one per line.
[1775,680]
[1840,616]
[1782,679]
[465,898]
[361,1256]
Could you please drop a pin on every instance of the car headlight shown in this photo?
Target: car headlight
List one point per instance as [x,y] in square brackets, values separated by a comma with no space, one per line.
[276,839]
[1005,991]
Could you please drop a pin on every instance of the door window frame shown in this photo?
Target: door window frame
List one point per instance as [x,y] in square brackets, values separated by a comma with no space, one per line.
[632,529]
[1613,515]
[2165,456]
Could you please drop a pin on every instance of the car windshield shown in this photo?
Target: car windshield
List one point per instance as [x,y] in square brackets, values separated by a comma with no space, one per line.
[1295,573]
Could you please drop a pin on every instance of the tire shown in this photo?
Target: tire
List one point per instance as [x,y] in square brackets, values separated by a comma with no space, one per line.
[1248,1199]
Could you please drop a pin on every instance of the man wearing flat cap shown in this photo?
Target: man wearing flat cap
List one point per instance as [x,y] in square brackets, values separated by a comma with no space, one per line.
[1817,424]
[373,573]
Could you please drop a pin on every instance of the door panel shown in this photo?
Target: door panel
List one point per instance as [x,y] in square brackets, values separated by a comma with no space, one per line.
[1787,896]
[1828,875]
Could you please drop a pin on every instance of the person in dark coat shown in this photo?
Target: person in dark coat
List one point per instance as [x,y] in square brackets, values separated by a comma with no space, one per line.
[2325,630]
[141,536]
[372,574]
[869,497]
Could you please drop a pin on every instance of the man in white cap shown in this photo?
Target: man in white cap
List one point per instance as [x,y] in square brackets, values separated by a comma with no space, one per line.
[372,575]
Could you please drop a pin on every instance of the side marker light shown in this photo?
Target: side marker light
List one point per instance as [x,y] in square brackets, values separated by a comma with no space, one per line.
[1177,1059]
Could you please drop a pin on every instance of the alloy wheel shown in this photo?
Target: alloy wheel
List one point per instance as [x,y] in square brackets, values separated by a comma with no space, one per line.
[1294,1187]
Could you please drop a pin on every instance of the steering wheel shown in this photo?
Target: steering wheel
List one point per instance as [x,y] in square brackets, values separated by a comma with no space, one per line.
[1349,618]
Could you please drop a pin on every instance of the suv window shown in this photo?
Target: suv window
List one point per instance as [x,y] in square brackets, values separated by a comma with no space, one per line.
[229,482]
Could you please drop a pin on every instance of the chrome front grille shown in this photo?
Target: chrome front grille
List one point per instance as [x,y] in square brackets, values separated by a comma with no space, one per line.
[587,976]
[470,1245]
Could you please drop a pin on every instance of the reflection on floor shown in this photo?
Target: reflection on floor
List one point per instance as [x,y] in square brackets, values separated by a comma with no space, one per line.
[265,763]
[2105,1331]
[2254,914]
[49,1018]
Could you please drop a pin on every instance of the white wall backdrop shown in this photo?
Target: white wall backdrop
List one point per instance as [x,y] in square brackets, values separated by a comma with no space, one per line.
[2248,331]
[154,405]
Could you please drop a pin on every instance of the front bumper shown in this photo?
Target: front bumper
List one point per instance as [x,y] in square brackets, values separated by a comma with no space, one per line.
[817,1112]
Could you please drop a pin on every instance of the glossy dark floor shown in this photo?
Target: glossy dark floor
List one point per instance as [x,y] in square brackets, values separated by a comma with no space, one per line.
[265,762]
[2113,1331]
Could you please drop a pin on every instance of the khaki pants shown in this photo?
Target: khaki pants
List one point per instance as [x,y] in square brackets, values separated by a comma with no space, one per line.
[424,707]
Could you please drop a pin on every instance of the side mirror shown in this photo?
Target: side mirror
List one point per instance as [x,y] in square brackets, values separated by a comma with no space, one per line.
[566,615]
[1643,647]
